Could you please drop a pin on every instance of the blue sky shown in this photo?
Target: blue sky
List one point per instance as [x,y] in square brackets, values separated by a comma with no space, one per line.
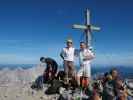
[33,28]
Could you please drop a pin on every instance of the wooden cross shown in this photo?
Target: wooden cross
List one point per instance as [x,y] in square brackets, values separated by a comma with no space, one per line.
[88,28]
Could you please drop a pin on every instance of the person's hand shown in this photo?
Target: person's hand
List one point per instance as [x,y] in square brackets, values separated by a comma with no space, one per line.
[88,58]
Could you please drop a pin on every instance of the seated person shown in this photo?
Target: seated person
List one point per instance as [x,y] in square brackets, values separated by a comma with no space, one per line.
[109,92]
[107,77]
[114,73]
[121,91]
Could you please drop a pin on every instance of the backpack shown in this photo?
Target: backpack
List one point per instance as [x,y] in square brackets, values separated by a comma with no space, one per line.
[54,88]
[38,84]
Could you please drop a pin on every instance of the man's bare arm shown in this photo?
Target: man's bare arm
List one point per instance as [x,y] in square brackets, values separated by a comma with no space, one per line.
[90,57]
[61,56]
[76,52]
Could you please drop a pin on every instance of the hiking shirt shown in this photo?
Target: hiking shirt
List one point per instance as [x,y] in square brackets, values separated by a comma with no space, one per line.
[68,53]
[83,54]
[53,63]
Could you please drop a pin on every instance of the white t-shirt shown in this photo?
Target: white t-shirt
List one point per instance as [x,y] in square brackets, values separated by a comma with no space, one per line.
[68,53]
[83,54]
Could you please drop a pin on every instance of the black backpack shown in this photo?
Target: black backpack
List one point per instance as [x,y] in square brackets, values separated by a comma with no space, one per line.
[54,88]
[61,75]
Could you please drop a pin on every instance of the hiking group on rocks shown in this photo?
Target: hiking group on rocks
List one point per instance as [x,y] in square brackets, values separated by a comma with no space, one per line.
[108,87]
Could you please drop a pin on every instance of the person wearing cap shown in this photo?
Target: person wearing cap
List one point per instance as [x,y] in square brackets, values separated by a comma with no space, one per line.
[67,54]
[85,58]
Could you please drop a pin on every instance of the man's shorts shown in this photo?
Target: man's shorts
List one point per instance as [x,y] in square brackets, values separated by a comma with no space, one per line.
[85,71]
[69,69]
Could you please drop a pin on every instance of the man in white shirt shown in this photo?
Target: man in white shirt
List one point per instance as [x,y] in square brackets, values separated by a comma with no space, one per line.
[85,57]
[67,54]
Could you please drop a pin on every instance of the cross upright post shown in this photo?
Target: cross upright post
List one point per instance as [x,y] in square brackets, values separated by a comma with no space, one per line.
[87,28]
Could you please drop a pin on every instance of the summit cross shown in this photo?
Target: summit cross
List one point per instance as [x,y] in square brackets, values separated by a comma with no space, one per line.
[87,28]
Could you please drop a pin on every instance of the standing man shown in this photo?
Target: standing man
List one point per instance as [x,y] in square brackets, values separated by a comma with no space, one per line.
[67,54]
[85,57]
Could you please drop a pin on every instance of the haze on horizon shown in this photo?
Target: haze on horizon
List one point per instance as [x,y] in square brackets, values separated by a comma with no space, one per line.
[30,29]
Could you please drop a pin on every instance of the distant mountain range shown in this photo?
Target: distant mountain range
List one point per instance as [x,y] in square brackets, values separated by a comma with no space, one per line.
[125,71]
[14,66]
